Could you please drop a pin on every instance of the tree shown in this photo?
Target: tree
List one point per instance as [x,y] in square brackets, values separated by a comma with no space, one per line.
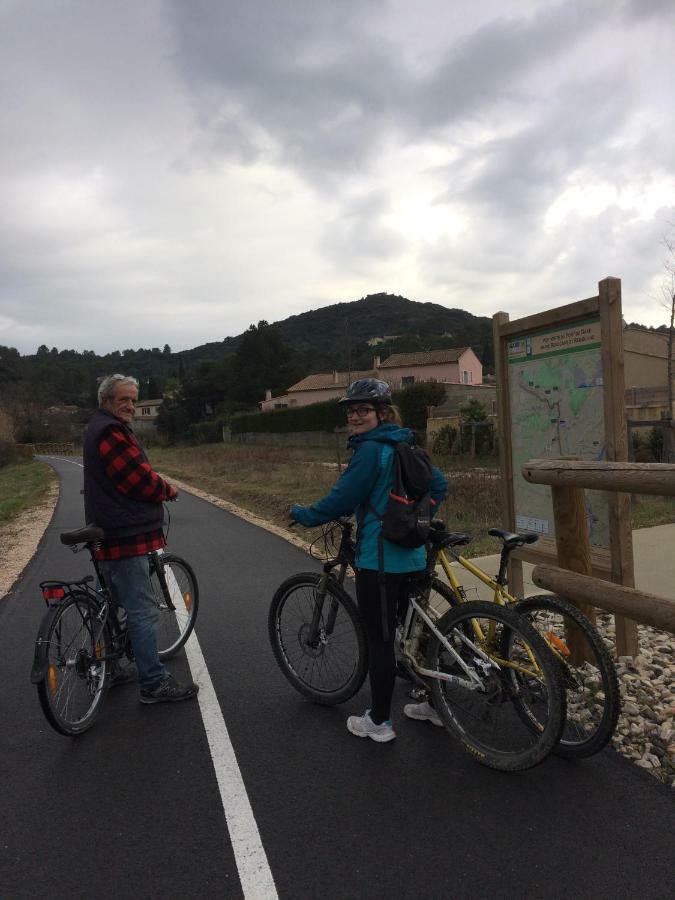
[262,361]
[414,402]
[668,293]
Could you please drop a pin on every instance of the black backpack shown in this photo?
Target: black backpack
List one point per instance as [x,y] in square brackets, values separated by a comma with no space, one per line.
[406,519]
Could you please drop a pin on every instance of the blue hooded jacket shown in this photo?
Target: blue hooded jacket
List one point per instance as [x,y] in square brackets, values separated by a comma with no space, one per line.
[366,482]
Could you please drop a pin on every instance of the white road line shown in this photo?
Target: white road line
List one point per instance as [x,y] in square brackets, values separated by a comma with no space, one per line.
[63,459]
[254,871]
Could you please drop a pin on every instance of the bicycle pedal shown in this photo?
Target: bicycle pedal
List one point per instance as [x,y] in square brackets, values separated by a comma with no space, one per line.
[418,693]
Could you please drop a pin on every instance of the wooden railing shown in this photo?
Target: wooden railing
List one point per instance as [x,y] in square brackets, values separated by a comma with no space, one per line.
[65,448]
[572,578]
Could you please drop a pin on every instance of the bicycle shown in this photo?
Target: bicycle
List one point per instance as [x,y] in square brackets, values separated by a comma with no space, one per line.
[588,672]
[83,634]
[484,664]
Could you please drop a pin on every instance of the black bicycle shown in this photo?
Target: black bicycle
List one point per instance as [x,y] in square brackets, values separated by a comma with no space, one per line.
[483,664]
[84,632]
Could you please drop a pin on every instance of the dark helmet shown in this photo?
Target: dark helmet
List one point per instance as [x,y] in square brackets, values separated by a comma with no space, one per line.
[369,390]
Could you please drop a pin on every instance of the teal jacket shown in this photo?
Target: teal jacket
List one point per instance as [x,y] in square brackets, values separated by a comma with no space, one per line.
[366,482]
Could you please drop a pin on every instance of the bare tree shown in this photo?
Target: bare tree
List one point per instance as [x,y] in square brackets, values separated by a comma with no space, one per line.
[668,294]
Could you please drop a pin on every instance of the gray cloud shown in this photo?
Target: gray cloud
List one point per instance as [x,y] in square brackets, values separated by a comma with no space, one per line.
[208,164]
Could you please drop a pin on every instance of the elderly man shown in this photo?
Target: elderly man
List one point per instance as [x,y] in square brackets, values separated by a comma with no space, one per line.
[124,496]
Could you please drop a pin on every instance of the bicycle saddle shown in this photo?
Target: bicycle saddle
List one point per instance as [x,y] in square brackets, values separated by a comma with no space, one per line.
[86,535]
[512,539]
[440,539]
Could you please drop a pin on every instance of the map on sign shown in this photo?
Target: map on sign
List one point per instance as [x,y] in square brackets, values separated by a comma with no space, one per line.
[557,409]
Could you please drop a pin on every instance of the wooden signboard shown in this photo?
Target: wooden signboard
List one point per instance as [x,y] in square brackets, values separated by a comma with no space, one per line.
[560,394]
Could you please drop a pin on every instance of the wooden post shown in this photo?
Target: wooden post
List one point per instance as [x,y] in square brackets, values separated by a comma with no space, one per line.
[620,529]
[499,320]
[574,552]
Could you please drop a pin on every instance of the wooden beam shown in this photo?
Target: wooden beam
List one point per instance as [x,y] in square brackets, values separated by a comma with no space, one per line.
[649,609]
[634,478]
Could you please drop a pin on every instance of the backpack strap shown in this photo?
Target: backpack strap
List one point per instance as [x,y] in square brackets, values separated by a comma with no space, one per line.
[381,580]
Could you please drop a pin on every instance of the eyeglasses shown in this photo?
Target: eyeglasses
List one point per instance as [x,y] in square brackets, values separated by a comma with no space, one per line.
[360,411]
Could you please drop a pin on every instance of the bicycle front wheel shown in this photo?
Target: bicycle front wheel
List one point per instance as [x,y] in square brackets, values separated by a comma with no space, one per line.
[482,713]
[318,638]
[590,679]
[72,691]
[173,580]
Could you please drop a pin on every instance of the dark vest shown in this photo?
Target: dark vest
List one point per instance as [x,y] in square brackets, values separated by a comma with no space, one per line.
[104,505]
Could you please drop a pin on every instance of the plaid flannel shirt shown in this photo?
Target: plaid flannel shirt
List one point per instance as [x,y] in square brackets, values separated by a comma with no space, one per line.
[134,477]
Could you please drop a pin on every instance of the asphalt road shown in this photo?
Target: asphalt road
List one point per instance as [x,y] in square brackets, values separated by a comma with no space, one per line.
[132,809]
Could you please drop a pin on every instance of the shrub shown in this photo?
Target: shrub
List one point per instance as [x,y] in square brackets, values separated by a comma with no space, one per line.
[444,440]
[8,454]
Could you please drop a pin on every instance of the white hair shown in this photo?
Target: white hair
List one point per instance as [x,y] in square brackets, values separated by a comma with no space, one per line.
[106,389]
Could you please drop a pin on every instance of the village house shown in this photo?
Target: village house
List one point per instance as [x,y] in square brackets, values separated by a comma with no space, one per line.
[145,418]
[453,366]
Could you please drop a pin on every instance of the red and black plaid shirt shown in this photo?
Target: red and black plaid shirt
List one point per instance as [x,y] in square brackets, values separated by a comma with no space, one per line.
[135,478]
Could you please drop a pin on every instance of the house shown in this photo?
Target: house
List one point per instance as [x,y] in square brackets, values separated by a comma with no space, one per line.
[455,366]
[458,365]
[145,418]
[645,356]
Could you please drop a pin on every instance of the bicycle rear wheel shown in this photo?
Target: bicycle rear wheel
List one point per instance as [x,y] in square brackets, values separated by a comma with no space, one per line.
[485,719]
[591,683]
[172,578]
[72,691]
[330,666]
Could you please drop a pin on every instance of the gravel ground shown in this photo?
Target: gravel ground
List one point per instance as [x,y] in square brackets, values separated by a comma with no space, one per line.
[646,728]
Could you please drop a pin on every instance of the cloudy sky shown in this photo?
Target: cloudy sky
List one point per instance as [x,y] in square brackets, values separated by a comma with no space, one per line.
[173,170]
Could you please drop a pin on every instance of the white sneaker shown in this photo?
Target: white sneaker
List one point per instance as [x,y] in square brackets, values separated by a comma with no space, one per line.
[423,712]
[363,726]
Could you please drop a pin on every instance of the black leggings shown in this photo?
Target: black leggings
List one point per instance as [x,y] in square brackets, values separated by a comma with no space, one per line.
[381,658]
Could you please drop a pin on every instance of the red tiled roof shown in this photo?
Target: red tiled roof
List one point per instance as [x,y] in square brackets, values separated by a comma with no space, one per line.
[325,381]
[423,358]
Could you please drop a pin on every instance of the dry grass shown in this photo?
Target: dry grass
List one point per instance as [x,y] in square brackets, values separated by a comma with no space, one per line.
[23,486]
[268,480]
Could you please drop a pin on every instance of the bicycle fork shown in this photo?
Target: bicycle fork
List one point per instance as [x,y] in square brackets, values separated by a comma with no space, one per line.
[316,633]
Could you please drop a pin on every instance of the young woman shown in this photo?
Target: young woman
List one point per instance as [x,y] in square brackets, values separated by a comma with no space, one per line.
[364,486]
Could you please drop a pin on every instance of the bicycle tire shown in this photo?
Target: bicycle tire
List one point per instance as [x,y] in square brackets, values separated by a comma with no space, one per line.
[71,693]
[593,696]
[332,670]
[174,626]
[509,745]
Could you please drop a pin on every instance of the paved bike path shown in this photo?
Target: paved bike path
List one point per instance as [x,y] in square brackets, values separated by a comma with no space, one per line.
[132,808]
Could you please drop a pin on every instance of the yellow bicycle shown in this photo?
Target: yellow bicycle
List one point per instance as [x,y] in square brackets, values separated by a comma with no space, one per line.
[589,675]
[494,684]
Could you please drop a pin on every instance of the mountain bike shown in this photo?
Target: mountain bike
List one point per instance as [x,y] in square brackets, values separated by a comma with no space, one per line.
[83,633]
[587,669]
[494,684]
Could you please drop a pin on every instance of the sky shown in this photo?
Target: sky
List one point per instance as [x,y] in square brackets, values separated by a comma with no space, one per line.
[172,171]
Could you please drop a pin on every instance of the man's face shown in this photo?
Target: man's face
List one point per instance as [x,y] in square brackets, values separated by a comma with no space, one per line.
[122,404]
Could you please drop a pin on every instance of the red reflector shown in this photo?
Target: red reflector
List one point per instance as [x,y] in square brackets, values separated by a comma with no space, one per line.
[53,593]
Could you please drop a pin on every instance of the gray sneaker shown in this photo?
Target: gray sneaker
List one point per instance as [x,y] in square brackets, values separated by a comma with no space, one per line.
[424,712]
[169,691]
[363,726]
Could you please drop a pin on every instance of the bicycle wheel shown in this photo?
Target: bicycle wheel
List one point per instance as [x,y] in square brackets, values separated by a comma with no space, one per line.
[485,718]
[72,691]
[332,667]
[592,686]
[174,626]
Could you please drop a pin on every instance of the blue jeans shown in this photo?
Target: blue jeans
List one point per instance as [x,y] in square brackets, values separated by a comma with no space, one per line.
[129,581]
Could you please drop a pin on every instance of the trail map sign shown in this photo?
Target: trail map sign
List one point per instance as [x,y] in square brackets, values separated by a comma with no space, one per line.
[560,394]
[555,388]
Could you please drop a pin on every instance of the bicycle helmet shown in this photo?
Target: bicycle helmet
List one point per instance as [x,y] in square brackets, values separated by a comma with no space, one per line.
[370,390]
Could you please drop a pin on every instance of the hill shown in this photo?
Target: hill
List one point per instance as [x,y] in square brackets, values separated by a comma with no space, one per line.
[326,336]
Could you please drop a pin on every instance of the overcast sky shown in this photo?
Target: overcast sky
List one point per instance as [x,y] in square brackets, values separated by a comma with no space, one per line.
[173,170]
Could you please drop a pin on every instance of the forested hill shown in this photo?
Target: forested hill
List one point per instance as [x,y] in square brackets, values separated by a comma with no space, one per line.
[340,328]
[233,374]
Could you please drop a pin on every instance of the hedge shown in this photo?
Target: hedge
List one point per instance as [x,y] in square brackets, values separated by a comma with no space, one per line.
[315,417]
